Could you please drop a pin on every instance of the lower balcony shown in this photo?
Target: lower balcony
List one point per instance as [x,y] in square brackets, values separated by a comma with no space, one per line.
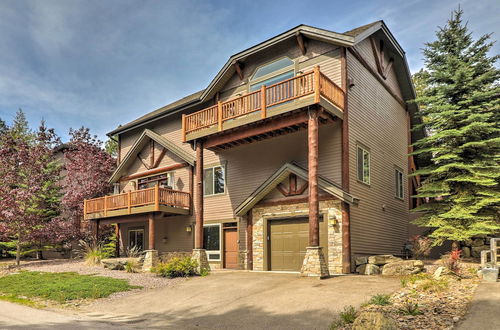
[155,199]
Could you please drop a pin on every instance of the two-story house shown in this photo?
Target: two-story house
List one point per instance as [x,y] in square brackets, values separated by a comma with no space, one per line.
[293,158]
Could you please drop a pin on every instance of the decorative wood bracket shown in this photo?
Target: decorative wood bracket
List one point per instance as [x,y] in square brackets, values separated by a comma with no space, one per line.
[301,43]
[142,161]
[378,53]
[293,189]
[238,66]
[160,157]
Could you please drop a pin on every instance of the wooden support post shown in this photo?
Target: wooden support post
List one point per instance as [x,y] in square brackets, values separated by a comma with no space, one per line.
[249,241]
[317,85]
[96,230]
[117,233]
[263,106]
[199,196]
[346,239]
[151,222]
[191,189]
[129,202]
[105,206]
[157,198]
[84,209]
[219,114]
[312,134]
[183,128]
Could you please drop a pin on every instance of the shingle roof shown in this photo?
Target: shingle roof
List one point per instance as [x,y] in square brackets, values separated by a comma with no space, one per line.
[360,29]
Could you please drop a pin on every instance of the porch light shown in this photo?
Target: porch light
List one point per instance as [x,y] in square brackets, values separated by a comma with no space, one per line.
[164,240]
[189,229]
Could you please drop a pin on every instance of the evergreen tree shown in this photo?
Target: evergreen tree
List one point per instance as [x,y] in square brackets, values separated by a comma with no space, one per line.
[459,103]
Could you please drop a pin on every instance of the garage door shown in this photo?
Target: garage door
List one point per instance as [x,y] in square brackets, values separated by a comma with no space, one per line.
[288,239]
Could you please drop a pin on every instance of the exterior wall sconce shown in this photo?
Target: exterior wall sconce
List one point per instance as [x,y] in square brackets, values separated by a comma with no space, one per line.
[332,217]
[350,83]
[189,229]
[164,240]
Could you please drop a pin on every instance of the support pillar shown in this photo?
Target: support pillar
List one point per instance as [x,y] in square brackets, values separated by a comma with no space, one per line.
[151,222]
[249,241]
[96,231]
[199,254]
[346,239]
[314,261]
[117,234]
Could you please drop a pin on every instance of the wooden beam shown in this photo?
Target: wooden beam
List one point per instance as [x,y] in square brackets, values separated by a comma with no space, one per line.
[292,200]
[345,122]
[376,55]
[151,154]
[199,196]
[155,171]
[301,43]
[346,238]
[282,190]
[367,66]
[151,223]
[388,67]
[160,158]
[117,234]
[142,161]
[271,125]
[312,134]
[238,66]
[250,240]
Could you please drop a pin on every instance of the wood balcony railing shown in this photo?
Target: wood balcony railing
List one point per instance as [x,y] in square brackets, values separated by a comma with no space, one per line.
[309,83]
[129,203]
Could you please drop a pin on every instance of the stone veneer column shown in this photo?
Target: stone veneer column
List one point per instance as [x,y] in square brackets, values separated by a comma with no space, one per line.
[199,254]
[150,260]
[314,263]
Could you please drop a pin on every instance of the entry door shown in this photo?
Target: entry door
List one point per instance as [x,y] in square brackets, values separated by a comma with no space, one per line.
[288,239]
[231,248]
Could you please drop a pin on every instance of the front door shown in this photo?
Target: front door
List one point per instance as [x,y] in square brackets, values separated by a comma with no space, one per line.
[230,248]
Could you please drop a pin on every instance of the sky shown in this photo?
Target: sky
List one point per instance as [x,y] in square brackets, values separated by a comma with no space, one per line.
[101,63]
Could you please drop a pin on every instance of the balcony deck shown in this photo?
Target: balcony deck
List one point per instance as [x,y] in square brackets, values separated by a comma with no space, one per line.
[136,202]
[270,101]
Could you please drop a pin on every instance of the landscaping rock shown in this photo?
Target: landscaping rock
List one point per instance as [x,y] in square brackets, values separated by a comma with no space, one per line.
[489,274]
[477,242]
[374,321]
[476,250]
[383,259]
[361,260]
[466,252]
[403,267]
[444,272]
[115,263]
[368,269]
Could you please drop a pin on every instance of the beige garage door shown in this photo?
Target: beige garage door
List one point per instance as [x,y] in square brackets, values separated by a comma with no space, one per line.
[288,239]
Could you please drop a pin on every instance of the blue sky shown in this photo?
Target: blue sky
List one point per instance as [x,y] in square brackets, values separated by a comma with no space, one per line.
[101,63]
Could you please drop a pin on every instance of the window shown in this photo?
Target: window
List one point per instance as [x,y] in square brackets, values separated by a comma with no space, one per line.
[211,241]
[399,184]
[136,238]
[272,73]
[272,67]
[165,180]
[214,181]
[363,165]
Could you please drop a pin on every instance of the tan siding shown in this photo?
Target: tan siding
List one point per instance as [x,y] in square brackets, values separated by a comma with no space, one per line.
[377,121]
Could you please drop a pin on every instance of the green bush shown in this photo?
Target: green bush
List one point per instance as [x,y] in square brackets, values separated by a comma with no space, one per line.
[177,267]
[380,299]
[425,282]
[132,266]
[348,315]
[93,253]
[410,308]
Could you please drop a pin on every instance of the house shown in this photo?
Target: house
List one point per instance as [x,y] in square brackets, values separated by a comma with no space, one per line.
[293,158]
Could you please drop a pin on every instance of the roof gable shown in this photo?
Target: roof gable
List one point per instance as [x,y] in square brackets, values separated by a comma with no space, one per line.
[140,143]
[281,174]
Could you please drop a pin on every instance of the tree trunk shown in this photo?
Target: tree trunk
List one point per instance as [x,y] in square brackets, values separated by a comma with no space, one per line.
[18,253]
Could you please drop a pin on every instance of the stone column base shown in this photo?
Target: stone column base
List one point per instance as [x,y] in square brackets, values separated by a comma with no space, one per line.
[151,259]
[200,255]
[314,263]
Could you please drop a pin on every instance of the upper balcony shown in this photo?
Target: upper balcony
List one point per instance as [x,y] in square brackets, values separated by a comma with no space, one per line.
[140,201]
[306,89]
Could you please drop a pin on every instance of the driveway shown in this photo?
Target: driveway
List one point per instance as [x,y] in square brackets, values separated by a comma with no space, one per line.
[483,312]
[243,300]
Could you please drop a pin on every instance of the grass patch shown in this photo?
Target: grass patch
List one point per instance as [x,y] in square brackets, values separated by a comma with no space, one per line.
[61,287]
[425,282]
[380,299]
[20,301]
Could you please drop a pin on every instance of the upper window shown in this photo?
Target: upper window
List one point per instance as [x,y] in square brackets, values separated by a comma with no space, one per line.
[211,241]
[165,180]
[363,165]
[272,73]
[272,67]
[214,180]
[399,183]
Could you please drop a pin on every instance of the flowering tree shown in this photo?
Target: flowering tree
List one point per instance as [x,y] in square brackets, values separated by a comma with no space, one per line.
[29,194]
[88,168]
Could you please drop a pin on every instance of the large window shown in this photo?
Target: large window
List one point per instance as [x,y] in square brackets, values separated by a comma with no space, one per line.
[136,238]
[399,183]
[211,241]
[165,180]
[363,165]
[272,73]
[214,180]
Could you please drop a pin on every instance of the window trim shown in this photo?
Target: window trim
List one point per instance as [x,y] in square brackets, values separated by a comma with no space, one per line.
[170,176]
[212,167]
[220,241]
[367,150]
[130,230]
[291,68]
[397,171]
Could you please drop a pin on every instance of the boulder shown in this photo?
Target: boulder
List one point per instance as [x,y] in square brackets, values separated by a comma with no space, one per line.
[477,242]
[374,321]
[114,263]
[476,250]
[403,267]
[466,252]
[368,269]
[382,259]
[361,260]
[489,274]
[442,271]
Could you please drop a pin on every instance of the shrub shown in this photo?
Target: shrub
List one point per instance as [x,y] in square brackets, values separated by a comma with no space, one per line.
[92,252]
[380,299]
[452,261]
[348,315]
[421,246]
[132,266]
[425,282]
[204,272]
[133,251]
[410,308]
[177,267]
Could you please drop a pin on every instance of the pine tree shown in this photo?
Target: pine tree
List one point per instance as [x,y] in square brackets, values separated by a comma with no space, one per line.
[459,104]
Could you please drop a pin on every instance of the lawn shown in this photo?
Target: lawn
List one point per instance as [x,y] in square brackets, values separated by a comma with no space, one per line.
[60,287]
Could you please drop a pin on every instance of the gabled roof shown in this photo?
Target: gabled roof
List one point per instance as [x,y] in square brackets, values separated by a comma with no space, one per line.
[140,143]
[281,174]
[347,39]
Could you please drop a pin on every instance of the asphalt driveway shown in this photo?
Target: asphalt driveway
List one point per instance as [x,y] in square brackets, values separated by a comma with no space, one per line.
[243,300]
